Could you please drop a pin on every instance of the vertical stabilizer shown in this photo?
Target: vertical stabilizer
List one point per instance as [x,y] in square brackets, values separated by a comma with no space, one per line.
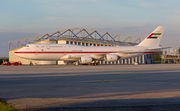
[154,38]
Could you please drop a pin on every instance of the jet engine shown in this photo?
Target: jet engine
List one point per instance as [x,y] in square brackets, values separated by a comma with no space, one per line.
[86,60]
[111,57]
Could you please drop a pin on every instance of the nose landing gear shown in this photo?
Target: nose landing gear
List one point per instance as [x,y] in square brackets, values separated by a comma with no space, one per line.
[31,64]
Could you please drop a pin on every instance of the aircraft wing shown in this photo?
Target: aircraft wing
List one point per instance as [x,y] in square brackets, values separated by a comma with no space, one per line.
[101,55]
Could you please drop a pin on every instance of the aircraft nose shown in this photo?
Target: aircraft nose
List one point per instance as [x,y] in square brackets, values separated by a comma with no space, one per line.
[18,52]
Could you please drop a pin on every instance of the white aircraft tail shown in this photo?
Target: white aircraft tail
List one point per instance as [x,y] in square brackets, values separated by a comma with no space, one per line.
[154,38]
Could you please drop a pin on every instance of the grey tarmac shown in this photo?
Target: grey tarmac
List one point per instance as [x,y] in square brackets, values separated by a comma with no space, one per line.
[104,87]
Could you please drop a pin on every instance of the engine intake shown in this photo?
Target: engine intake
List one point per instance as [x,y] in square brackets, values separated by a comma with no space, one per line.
[111,57]
[86,60]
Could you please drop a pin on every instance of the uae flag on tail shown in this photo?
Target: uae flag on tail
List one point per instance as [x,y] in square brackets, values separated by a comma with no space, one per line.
[153,36]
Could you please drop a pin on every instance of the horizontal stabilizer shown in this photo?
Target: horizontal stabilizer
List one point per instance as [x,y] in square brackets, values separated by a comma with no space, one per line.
[158,48]
[149,50]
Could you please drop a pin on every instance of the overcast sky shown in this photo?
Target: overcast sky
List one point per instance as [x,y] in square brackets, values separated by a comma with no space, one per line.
[26,18]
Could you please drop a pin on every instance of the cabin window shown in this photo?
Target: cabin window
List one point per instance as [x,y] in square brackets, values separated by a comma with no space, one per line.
[94,44]
[71,42]
[27,45]
[57,46]
[79,43]
[67,42]
[86,44]
[82,44]
[75,43]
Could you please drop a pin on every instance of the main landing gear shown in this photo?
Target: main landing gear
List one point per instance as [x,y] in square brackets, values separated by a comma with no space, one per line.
[92,63]
[31,64]
[95,63]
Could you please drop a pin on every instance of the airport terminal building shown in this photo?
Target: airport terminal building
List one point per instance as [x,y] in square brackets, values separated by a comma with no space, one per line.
[80,36]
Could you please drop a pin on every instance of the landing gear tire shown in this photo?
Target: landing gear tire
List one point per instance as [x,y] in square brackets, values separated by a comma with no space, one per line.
[31,64]
[92,64]
[85,64]
[97,63]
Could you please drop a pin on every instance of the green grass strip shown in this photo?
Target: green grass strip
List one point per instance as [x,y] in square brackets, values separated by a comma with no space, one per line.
[6,107]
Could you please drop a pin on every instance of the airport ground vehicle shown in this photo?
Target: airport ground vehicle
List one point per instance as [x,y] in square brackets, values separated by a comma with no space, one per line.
[11,63]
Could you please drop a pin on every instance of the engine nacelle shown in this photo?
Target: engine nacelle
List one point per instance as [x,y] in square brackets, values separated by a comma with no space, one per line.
[86,60]
[111,57]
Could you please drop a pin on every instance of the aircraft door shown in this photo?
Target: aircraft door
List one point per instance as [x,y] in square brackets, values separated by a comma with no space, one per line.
[36,52]
[47,46]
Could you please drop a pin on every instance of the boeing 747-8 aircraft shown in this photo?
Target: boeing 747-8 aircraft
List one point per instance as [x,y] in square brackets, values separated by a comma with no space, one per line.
[91,54]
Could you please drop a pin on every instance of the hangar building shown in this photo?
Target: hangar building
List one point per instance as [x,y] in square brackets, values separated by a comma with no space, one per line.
[80,36]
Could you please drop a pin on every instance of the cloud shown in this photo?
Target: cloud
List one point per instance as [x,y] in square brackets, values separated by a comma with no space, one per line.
[51,18]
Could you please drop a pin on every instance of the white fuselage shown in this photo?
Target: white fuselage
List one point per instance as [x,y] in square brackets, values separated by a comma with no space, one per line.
[74,52]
